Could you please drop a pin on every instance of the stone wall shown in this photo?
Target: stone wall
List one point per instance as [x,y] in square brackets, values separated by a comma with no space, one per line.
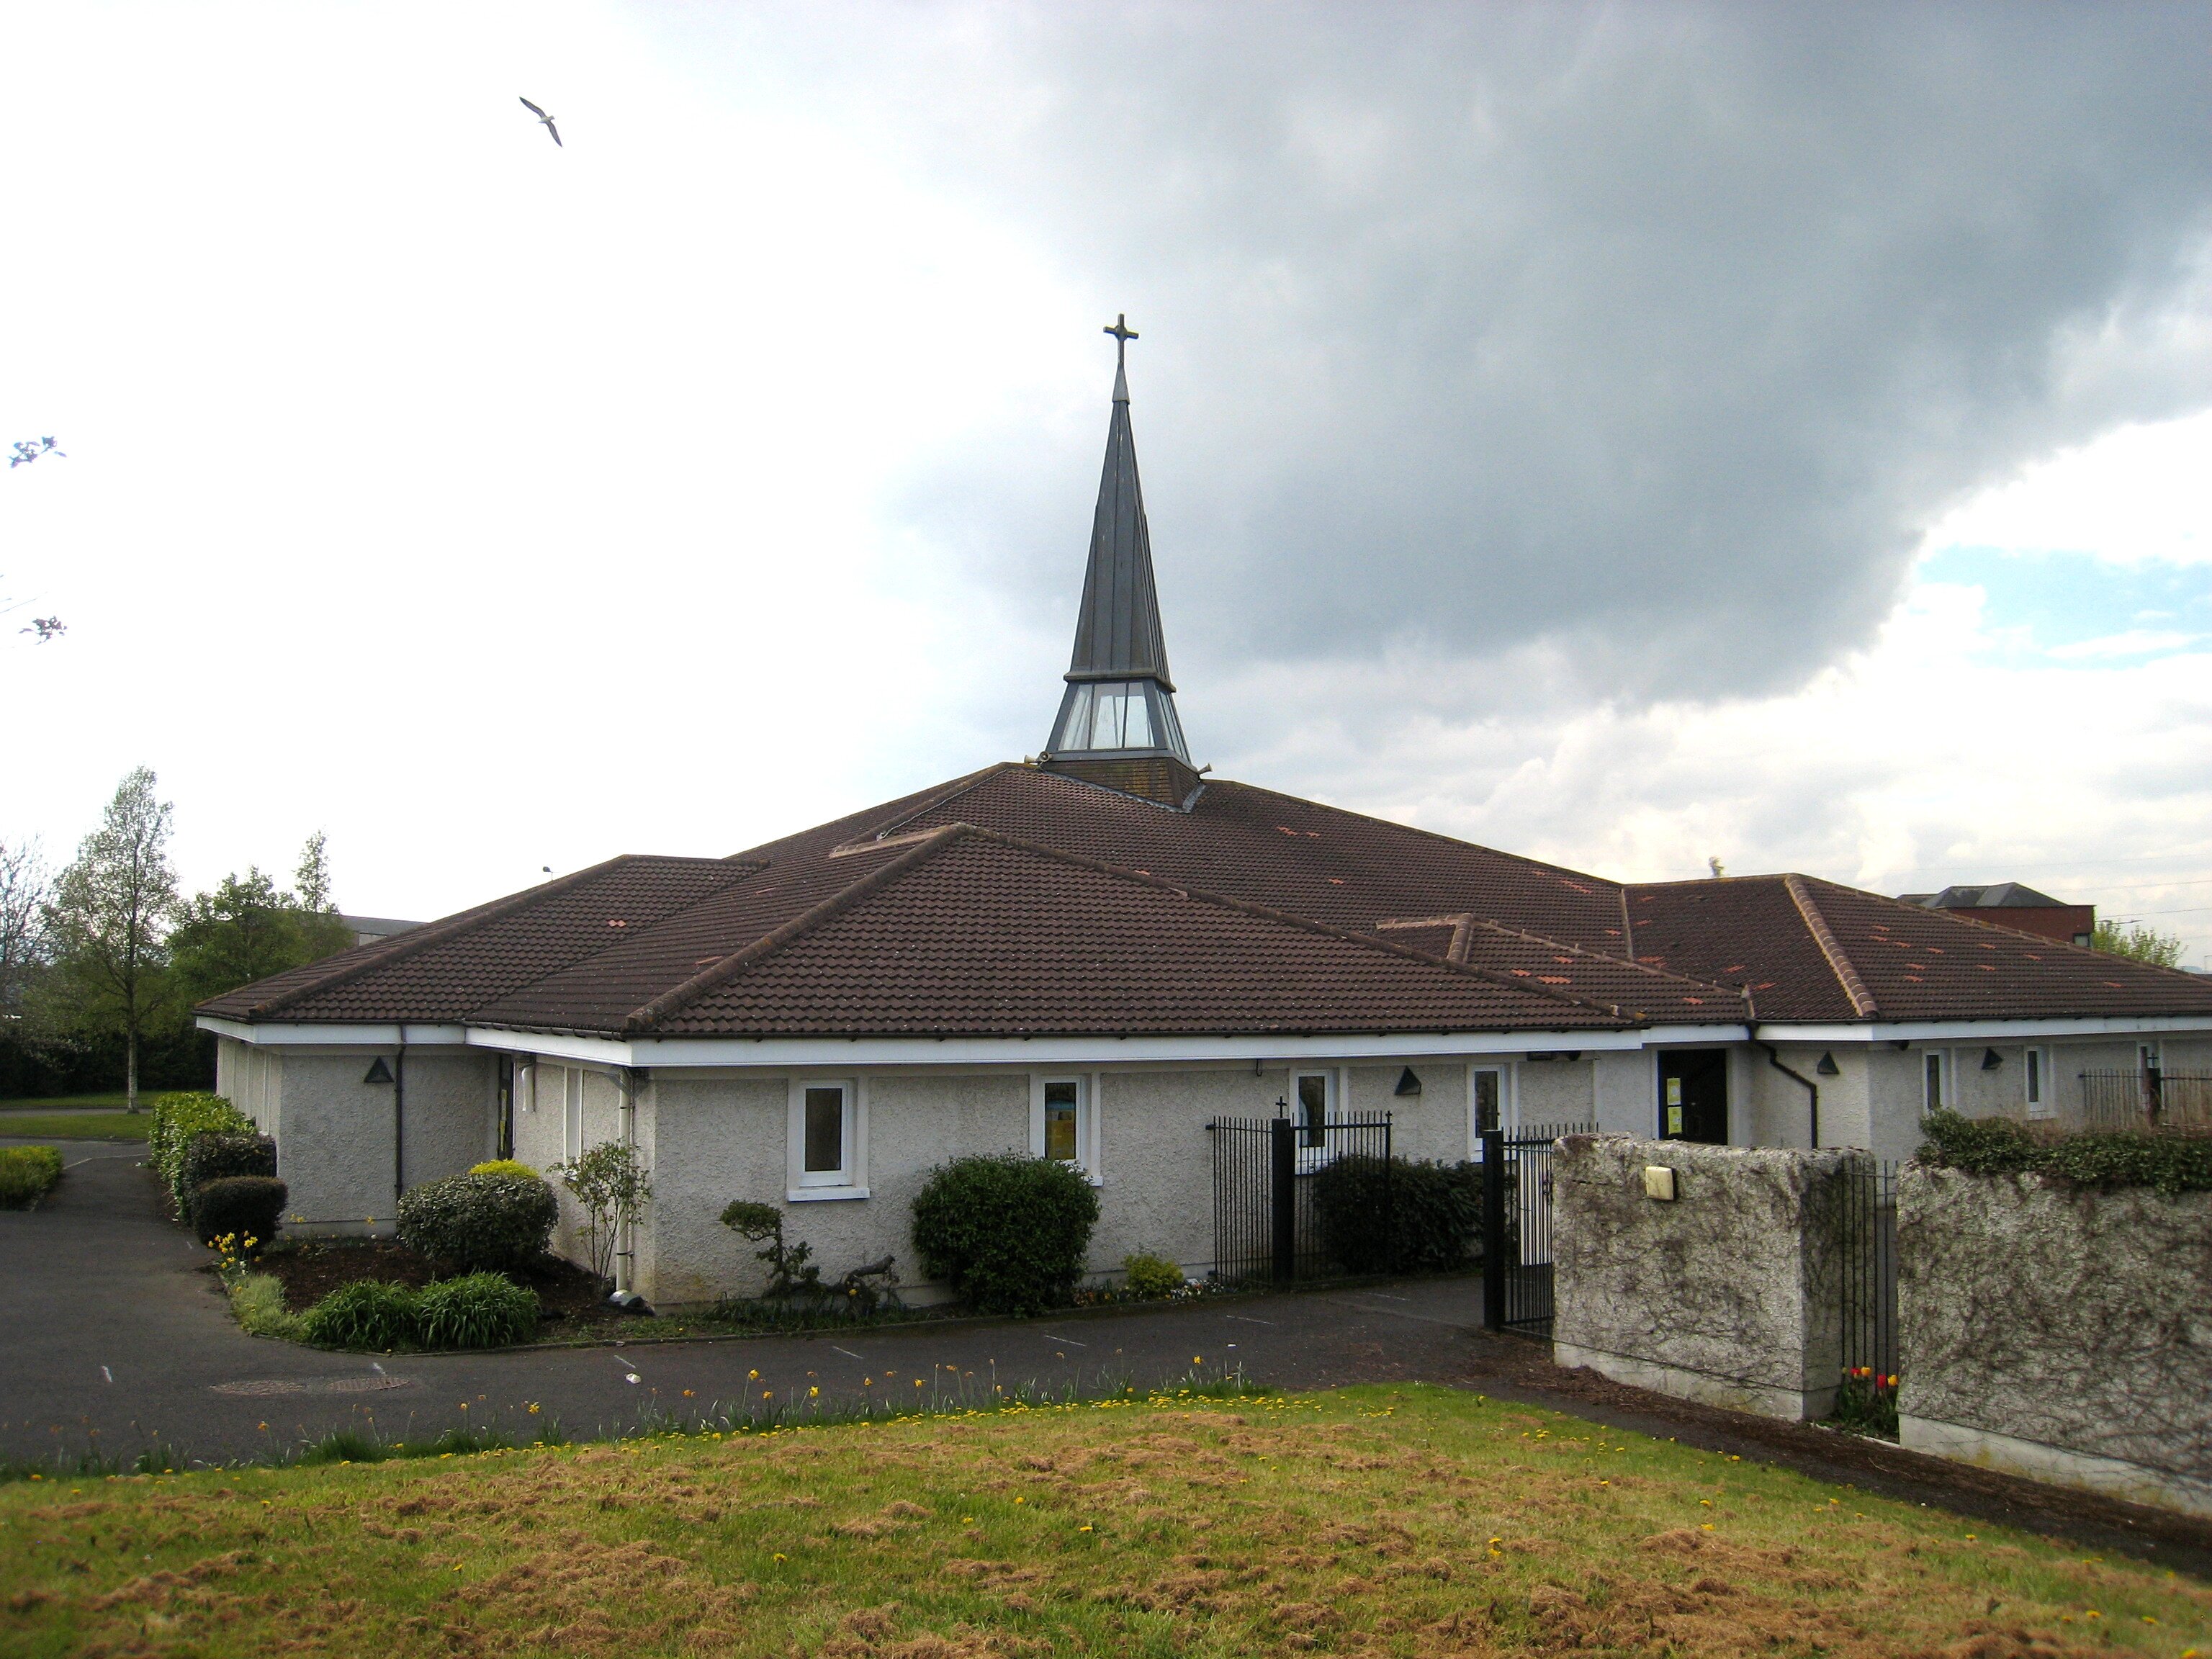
[1728,1294]
[2059,1332]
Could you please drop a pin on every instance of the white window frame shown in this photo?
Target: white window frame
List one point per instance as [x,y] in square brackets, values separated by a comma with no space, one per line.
[1332,1108]
[2035,1082]
[850,1179]
[2150,1056]
[1937,1063]
[1089,1160]
[1509,1103]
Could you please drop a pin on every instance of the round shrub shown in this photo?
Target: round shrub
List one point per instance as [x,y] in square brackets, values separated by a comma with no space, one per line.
[479,1220]
[482,1310]
[1148,1275]
[506,1166]
[240,1206]
[1435,1209]
[366,1313]
[1011,1234]
[215,1155]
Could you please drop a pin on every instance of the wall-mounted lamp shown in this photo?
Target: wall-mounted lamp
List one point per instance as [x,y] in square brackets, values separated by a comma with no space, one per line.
[1991,1059]
[1827,1068]
[1407,1083]
[378,1071]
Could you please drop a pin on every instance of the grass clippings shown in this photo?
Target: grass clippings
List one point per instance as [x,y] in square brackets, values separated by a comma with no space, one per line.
[1406,1521]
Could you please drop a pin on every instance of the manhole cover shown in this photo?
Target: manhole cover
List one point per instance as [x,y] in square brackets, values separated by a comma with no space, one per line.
[261,1388]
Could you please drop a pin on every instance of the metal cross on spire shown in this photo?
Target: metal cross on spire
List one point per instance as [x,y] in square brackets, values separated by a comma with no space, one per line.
[1123,334]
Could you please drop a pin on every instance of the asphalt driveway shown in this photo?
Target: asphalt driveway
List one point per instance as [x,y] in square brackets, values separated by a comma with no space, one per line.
[117,1338]
[112,1334]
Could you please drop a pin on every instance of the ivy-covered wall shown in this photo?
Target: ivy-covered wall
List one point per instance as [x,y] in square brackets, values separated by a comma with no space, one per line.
[2058,1331]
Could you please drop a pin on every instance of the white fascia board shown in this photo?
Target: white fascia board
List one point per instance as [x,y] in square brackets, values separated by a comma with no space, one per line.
[788,1054]
[269,1034]
[806,1053]
[1982,1031]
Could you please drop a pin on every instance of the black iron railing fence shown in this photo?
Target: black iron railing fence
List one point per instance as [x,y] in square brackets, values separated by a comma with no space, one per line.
[1516,1225]
[1869,1265]
[2147,1099]
[1265,1225]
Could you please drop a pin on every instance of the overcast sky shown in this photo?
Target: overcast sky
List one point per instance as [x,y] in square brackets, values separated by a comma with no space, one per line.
[1621,434]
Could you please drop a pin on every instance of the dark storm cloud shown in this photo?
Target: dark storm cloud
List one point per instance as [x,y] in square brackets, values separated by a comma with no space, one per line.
[1655,333]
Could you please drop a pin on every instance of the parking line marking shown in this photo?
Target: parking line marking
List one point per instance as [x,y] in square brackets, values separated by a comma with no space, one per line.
[1070,1340]
[1244,1320]
[848,1352]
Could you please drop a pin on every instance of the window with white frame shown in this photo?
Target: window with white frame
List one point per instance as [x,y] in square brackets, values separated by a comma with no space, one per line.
[1487,1107]
[1931,1087]
[2036,1082]
[2148,1057]
[1061,1124]
[824,1139]
[1313,1097]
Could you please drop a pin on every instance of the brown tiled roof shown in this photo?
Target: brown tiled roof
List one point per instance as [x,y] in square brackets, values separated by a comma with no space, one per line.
[968,931]
[1814,950]
[447,970]
[1012,901]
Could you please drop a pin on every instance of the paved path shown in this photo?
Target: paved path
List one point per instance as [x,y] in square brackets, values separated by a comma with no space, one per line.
[116,1335]
[124,1339]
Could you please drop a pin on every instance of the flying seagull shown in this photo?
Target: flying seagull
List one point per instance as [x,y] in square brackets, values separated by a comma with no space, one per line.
[544,120]
[28,451]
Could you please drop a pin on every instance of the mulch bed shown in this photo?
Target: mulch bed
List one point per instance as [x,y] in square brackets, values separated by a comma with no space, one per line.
[570,1297]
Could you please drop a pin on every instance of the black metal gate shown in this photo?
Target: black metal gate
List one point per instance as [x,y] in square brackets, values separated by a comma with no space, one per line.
[1869,1266]
[1265,1227]
[1516,1225]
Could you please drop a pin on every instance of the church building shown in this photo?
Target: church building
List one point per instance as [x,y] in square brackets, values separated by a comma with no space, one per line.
[1089,956]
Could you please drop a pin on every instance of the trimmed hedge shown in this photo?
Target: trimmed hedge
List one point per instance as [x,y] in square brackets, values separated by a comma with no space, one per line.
[1011,1234]
[479,1220]
[28,1174]
[1435,1212]
[2104,1158]
[217,1154]
[482,1310]
[242,1207]
[506,1166]
[176,1119]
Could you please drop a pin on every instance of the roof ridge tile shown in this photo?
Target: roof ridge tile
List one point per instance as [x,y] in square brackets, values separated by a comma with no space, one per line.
[1840,961]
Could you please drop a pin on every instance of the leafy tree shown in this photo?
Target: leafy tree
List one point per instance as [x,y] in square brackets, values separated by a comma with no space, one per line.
[2140,943]
[23,942]
[249,928]
[612,1184]
[107,921]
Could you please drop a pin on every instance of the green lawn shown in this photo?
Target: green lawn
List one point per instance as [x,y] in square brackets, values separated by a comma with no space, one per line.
[77,1126]
[1407,1521]
[67,1102]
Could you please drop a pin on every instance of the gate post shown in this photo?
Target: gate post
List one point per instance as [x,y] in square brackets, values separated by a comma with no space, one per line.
[1494,1229]
[1283,1195]
[1389,1217]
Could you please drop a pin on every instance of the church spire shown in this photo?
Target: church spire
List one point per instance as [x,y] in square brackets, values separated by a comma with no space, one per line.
[1118,723]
